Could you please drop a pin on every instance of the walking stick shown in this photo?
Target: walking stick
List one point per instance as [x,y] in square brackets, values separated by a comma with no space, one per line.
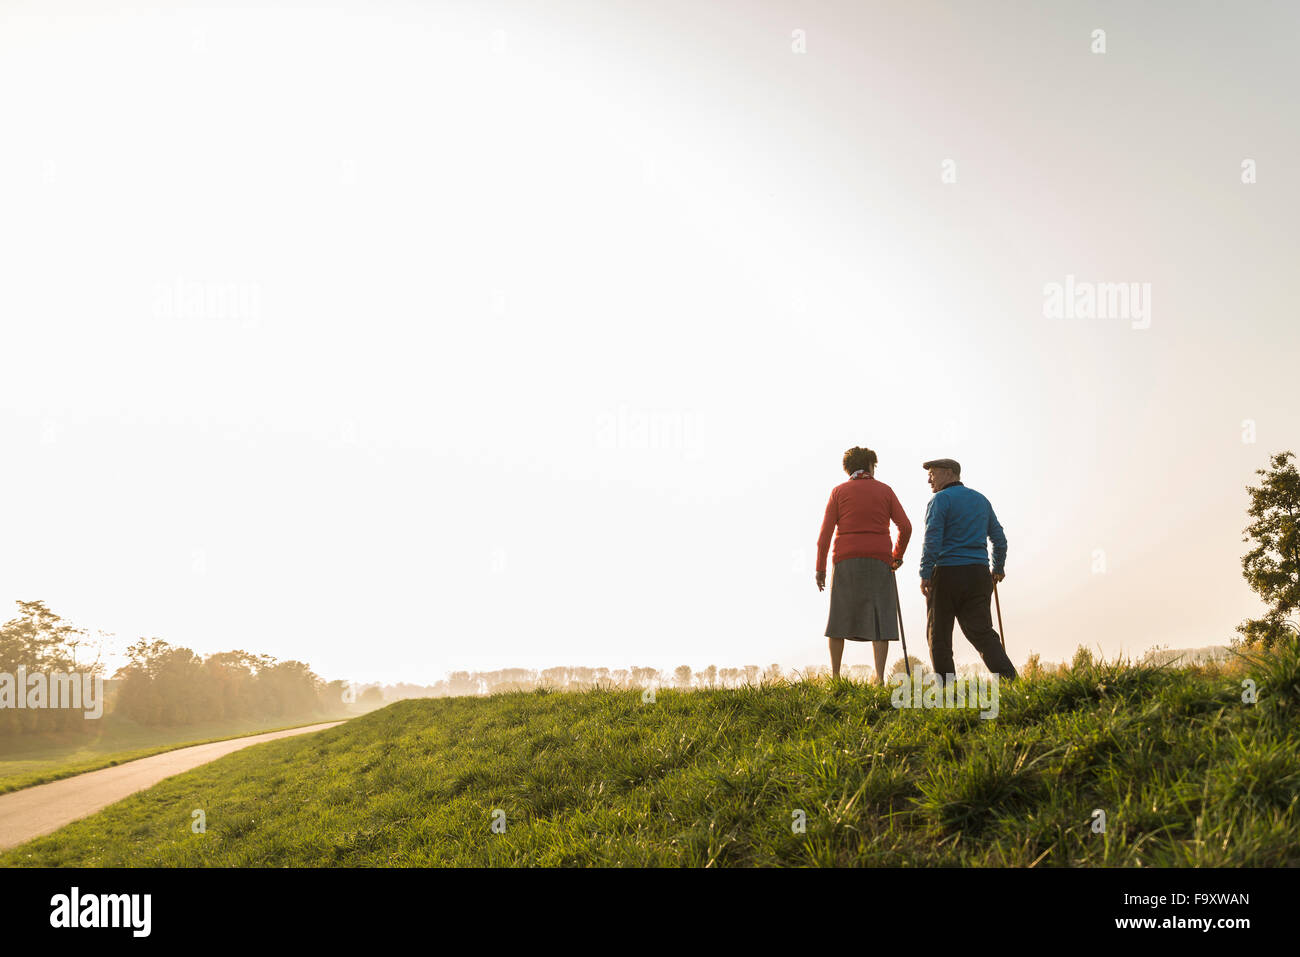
[898,607]
[999,607]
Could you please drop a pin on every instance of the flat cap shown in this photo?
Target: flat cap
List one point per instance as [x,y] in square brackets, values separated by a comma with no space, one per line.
[943,464]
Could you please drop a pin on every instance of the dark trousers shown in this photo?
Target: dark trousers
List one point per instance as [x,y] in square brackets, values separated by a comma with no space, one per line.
[963,592]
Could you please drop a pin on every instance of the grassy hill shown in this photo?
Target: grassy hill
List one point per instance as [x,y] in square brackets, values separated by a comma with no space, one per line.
[1186,773]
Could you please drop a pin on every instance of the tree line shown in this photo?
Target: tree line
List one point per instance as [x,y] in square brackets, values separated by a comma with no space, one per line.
[160,685]
[573,678]
[166,685]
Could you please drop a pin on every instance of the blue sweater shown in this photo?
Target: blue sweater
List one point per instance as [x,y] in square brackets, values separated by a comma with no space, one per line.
[959,521]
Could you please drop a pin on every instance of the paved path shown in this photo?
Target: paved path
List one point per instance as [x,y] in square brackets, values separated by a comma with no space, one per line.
[32,812]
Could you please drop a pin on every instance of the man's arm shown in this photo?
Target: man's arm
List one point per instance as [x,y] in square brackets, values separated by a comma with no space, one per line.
[935,517]
[999,540]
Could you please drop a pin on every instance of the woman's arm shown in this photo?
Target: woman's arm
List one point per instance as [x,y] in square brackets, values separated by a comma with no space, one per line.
[829,521]
[899,518]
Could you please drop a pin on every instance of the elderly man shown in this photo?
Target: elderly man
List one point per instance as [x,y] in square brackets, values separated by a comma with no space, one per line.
[955,577]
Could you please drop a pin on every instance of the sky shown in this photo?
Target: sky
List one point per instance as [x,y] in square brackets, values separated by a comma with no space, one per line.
[404,338]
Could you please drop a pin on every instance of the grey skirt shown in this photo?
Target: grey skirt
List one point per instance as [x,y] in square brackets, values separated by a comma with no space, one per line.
[862,601]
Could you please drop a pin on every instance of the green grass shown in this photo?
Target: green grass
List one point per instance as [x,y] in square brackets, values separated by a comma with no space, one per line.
[1185,772]
[26,761]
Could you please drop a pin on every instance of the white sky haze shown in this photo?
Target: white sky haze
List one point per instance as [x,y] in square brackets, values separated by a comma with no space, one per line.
[402,338]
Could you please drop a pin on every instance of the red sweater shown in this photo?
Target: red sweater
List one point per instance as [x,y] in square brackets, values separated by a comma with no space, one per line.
[862,508]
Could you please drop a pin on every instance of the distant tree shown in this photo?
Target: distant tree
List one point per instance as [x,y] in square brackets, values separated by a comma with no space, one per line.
[335,696]
[901,668]
[289,688]
[751,674]
[709,676]
[41,641]
[520,677]
[372,697]
[164,685]
[230,675]
[1272,567]
[460,683]
[682,675]
[773,673]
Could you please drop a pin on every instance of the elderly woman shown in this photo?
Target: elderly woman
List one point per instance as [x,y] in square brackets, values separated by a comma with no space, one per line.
[863,597]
